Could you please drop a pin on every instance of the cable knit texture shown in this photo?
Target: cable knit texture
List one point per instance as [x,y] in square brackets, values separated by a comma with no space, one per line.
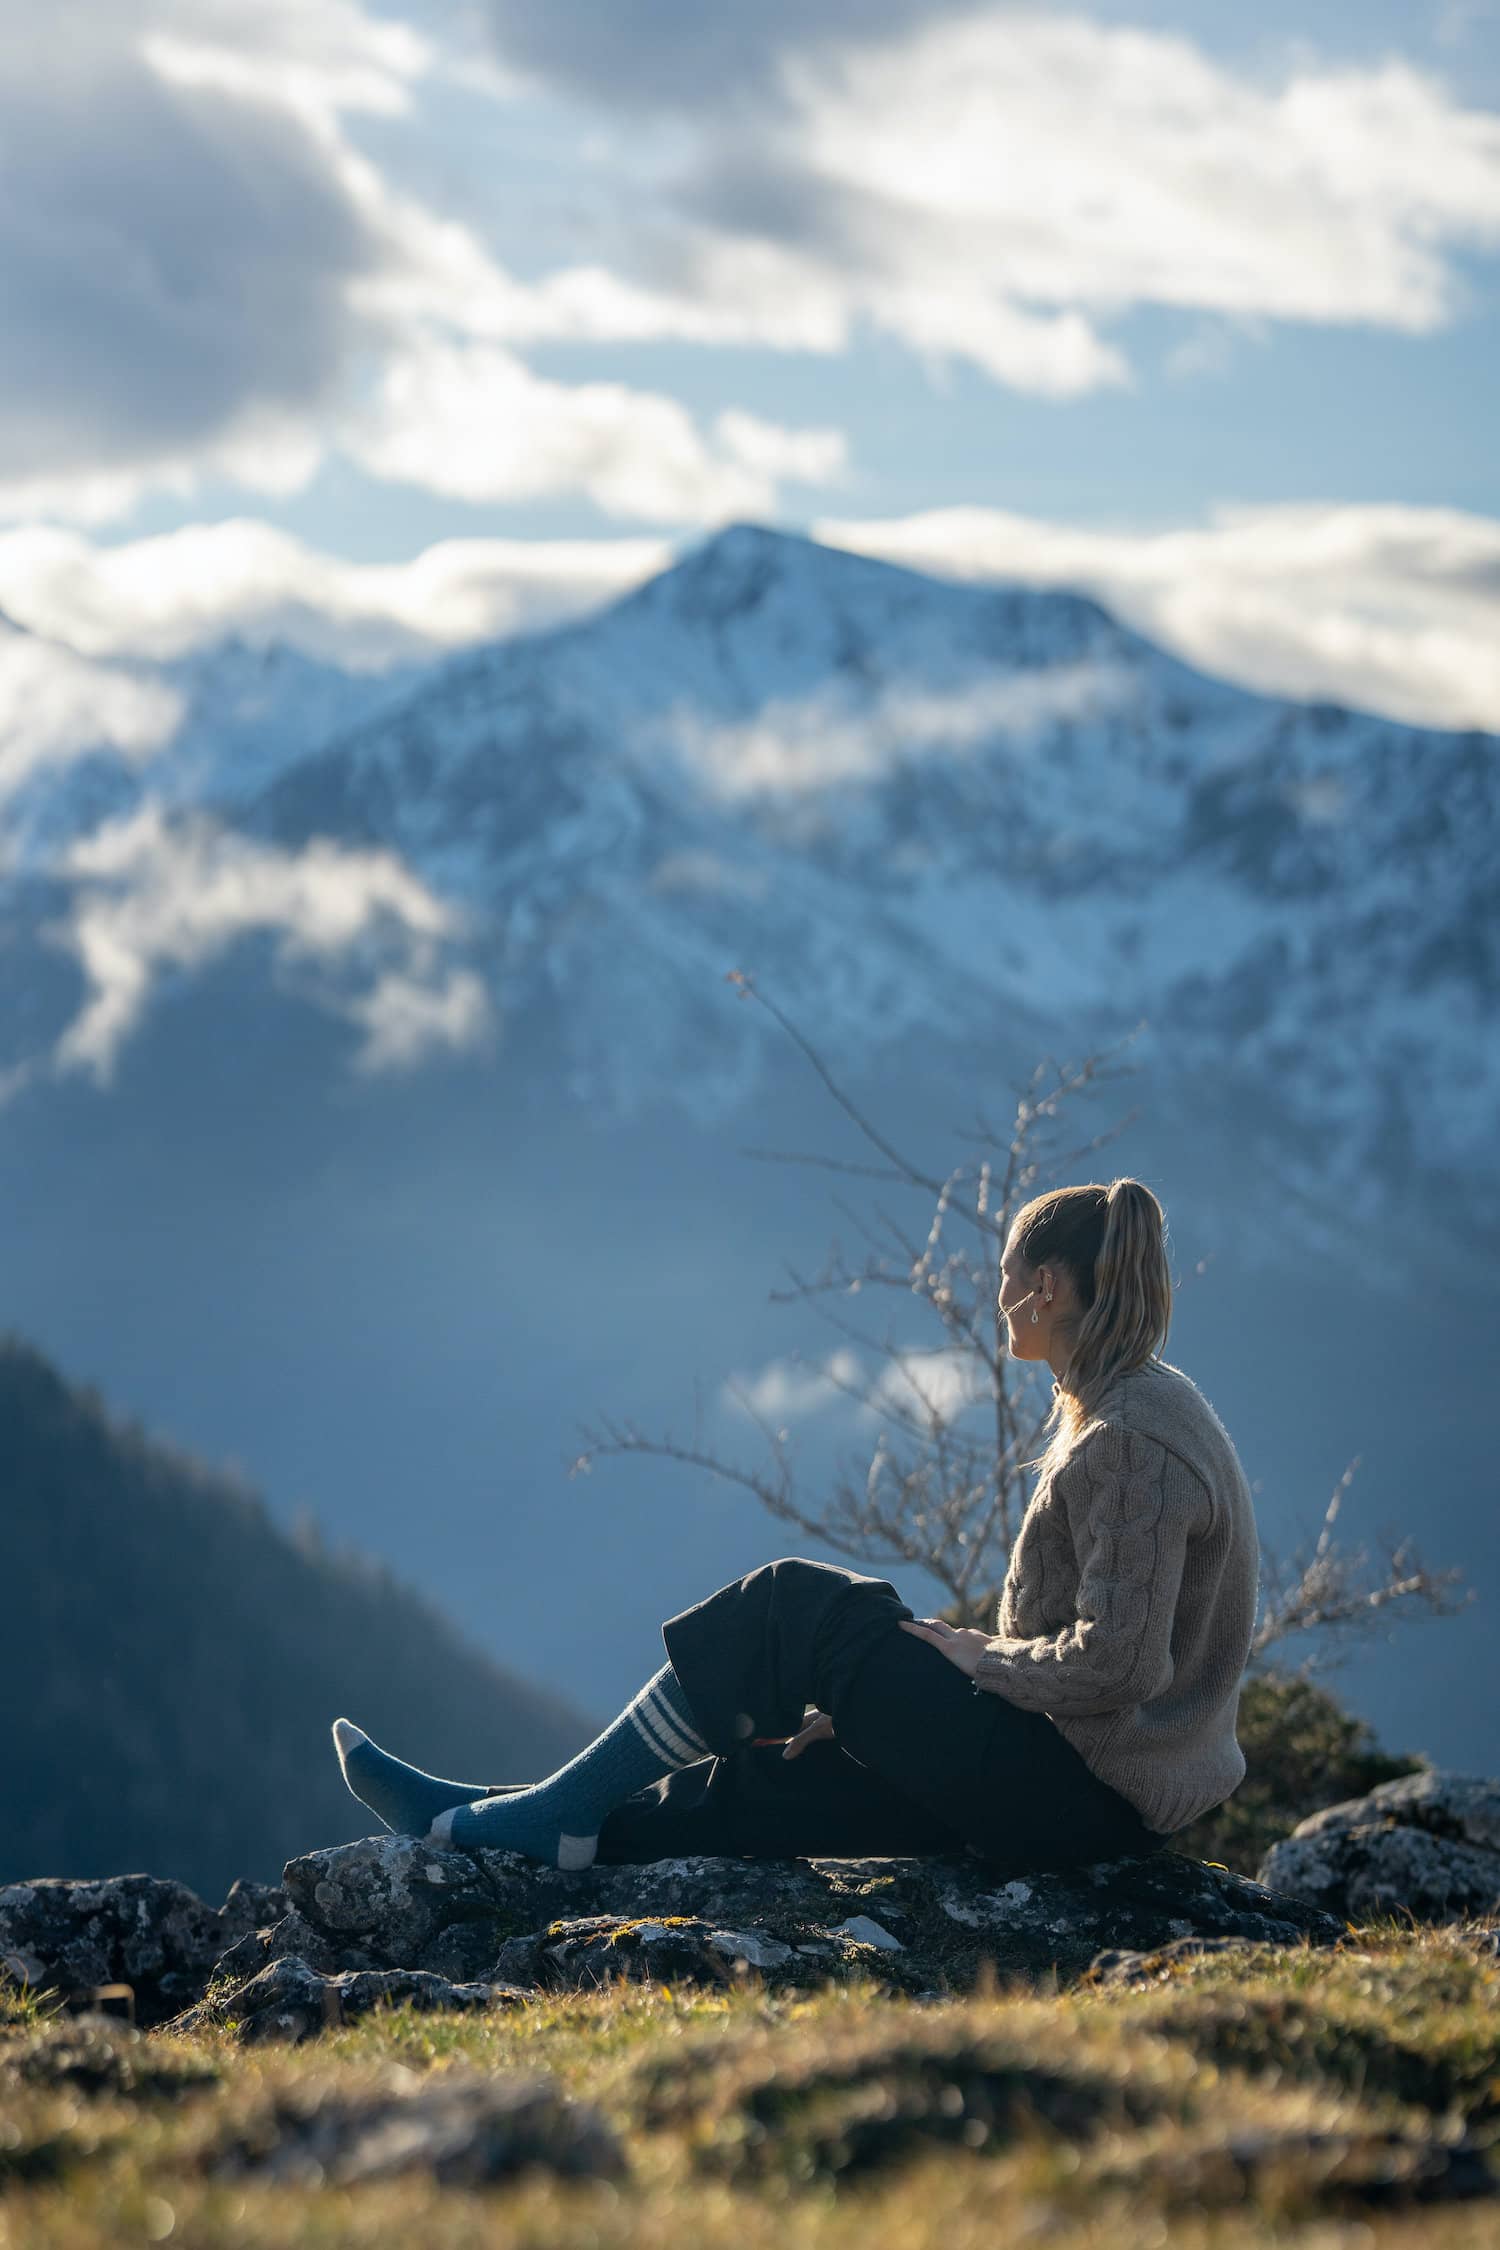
[1129,1605]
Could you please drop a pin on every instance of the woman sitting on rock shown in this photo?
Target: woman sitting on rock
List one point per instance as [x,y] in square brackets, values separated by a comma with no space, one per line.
[1098,1719]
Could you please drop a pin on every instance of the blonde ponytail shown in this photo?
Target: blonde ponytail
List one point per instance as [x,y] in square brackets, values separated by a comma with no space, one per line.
[1112,1241]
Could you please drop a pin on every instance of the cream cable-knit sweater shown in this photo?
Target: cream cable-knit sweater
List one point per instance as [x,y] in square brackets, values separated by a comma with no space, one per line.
[1128,1607]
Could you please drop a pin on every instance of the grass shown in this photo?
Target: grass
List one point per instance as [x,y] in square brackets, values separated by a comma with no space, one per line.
[1345,2098]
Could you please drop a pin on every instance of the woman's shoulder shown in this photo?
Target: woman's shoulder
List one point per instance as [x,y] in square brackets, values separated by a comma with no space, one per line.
[1160,1401]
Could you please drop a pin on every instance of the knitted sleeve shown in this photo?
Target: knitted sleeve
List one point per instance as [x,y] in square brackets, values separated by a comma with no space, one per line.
[1131,1506]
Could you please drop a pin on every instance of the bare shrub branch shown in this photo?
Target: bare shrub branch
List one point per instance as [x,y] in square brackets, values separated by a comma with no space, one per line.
[1336,1592]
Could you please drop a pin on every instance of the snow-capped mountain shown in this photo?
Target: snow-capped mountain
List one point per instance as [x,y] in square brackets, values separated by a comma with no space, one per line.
[907,806]
[907,803]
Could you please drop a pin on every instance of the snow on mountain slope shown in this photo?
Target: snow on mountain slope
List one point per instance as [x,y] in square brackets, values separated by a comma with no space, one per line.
[910,806]
[219,722]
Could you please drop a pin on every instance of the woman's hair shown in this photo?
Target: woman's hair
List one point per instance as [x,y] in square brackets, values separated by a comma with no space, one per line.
[1111,1241]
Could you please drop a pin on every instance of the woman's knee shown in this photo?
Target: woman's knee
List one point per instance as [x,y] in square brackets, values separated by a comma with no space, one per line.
[825,1576]
[797,1579]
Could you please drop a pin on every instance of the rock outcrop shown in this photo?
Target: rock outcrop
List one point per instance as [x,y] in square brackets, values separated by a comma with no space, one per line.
[390,1920]
[140,1931]
[1427,1844]
[290,2001]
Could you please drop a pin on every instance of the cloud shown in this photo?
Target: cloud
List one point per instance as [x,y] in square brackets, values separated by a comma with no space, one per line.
[56,706]
[786,1390]
[787,234]
[177,247]
[1392,609]
[769,451]
[206,277]
[210,274]
[663,56]
[180,590]
[794,746]
[755,296]
[404,1019]
[915,1384]
[1108,166]
[472,421]
[924,1385]
[151,895]
[999,184]
[315,57]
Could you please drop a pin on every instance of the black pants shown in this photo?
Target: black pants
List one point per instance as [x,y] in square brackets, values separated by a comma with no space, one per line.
[922,1761]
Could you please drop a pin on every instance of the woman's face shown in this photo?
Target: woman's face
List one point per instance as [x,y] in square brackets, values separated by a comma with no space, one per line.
[1020,1295]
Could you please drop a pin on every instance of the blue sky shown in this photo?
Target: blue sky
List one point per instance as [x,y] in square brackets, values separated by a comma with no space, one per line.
[1193,307]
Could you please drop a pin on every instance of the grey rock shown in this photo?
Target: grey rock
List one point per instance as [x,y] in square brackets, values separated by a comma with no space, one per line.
[289,1939]
[486,1919]
[520,1960]
[144,1931]
[463,1951]
[249,1907]
[1463,1806]
[463,2128]
[399,1903]
[1427,1844]
[291,2001]
[752,1946]
[865,1931]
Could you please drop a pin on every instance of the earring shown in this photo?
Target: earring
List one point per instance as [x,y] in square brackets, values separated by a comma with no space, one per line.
[1035,1317]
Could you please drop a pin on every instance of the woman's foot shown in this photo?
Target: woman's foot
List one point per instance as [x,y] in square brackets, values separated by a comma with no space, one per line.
[407,1800]
[545,1821]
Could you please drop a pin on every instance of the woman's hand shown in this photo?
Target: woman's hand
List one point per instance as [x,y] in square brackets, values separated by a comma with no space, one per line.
[963,1645]
[819,1728]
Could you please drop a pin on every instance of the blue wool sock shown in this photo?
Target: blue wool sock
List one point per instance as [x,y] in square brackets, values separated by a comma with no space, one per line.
[558,1820]
[404,1797]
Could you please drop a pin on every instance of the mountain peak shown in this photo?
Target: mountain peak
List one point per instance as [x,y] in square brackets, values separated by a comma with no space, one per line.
[749,567]
[750,540]
[744,565]
[735,568]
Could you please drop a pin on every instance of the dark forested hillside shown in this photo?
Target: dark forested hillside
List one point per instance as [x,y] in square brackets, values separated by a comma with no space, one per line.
[170,1661]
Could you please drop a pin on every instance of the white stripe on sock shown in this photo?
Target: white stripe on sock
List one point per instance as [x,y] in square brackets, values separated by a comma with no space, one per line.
[660,1732]
[675,1728]
[634,1715]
